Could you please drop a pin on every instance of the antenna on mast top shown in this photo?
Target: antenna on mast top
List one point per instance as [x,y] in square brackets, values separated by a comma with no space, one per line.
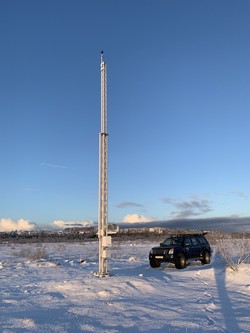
[101,56]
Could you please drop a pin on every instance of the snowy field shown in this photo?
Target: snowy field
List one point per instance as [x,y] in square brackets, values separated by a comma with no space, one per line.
[61,294]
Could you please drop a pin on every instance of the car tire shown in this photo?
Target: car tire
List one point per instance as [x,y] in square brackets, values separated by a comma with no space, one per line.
[206,258]
[155,264]
[181,261]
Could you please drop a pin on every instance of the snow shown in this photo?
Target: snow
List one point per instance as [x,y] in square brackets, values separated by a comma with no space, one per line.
[62,294]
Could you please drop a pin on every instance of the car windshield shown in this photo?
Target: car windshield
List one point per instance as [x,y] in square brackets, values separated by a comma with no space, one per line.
[172,241]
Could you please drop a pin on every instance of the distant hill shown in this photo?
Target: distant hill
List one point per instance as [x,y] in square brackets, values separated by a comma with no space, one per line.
[226,224]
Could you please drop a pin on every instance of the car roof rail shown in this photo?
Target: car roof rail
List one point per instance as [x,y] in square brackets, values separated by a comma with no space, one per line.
[190,234]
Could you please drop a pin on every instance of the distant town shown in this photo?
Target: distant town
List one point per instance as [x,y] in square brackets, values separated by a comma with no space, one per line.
[91,233]
[75,233]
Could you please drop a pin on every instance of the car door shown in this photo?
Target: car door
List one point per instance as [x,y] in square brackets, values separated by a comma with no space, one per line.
[196,247]
[187,244]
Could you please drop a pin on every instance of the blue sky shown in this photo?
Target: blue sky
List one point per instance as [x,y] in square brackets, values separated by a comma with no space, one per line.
[178,109]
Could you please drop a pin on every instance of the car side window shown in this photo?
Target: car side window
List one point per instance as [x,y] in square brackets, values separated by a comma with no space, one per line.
[194,241]
[202,240]
[187,241]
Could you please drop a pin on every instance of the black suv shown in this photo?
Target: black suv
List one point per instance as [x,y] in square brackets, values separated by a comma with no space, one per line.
[179,249]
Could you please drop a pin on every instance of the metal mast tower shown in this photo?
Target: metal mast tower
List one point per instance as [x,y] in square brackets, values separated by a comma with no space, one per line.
[104,239]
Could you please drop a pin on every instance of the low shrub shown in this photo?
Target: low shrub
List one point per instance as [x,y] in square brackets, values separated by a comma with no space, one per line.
[33,253]
[234,251]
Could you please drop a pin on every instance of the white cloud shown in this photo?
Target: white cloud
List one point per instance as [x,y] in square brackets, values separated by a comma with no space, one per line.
[71,224]
[133,218]
[7,225]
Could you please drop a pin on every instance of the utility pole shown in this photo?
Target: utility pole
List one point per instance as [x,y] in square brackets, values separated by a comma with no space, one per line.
[104,239]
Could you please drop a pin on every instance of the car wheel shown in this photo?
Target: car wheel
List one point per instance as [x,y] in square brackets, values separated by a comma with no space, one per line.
[206,258]
[155,264]
[180,261]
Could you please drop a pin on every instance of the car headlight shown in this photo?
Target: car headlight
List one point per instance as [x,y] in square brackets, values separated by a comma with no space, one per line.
[171,251]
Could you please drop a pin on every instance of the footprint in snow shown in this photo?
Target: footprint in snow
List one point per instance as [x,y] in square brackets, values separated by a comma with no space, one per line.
[168,277]
[207,294]
[211,307]
[210,321]
[104,294]
[204,282]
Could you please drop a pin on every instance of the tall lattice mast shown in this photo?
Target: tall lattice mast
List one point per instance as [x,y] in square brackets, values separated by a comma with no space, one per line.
[104,239]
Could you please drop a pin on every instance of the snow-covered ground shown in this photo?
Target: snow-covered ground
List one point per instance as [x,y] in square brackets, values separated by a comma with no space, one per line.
[61,294]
